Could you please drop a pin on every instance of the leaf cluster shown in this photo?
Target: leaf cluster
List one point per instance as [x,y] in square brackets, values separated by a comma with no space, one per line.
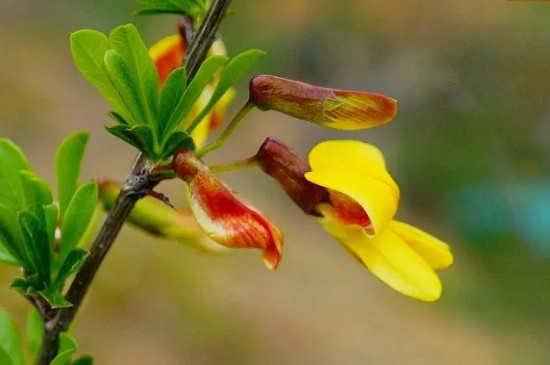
[149,116]
[37,234]
[12,351]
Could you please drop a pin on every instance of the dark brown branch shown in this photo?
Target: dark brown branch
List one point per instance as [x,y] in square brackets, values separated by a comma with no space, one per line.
[205,36]
[138,182]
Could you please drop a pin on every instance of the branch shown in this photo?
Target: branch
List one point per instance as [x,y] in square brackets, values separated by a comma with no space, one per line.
[138,182]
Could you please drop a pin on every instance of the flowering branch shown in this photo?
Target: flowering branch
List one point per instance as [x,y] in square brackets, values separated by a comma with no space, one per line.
[138,182]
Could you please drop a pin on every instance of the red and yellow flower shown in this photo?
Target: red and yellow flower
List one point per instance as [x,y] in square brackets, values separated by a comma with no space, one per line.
[332,108]
[226,219]
[356,205]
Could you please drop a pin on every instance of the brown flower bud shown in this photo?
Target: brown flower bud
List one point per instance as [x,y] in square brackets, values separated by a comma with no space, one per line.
[285,166]
[339,109]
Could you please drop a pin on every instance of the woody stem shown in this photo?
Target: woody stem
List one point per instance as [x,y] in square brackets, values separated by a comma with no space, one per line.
[139,181]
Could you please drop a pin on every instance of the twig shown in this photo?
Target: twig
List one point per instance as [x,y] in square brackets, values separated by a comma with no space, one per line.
[137,183]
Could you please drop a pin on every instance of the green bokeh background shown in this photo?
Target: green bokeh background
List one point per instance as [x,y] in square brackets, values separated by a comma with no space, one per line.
[469,148]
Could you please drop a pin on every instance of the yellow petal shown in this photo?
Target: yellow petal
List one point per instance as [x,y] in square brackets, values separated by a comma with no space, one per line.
[200,133]
[352,156]
[390,259]
[377,199]
[435,252]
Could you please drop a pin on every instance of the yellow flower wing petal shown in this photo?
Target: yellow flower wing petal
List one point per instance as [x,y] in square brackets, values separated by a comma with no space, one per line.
[377,199]
[353,156]
[434,251]
[345,154]
[390,259]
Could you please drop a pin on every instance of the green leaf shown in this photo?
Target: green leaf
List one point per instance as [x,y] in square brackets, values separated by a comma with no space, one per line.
[208,68]
[36,244]
[10,341]
[159,4]
[177,141]
[34,334]
[147,11]
[88,48]
[145,135]
[124,133]
[78,216]
[5,255]
[72,263]
[68,163]
[84,360]
[55,300]
[118,118]
[12,161]
[120,75]
[32,285]
[5,358]
[170,95]
[52,215]
[67,347]
[37,193]
[128,43]
[234,70]
[12,237]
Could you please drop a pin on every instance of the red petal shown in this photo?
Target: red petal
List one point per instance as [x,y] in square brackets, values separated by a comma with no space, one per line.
[230,222]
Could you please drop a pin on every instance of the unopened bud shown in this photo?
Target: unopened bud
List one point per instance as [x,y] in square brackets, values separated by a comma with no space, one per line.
[186,164]
[285,166]
[339,109]
[156,218]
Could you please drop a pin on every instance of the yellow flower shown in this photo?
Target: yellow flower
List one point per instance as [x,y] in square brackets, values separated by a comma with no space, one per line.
[168,55]
[362,203]
[348,190]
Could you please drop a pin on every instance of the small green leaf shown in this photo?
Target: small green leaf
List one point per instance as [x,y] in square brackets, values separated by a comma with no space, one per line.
[121,77]
[37,194]
[147,11]
[5,255]
[234,70]
[88,48]
[128,43]
[10,341]
[36,244]
[55,300]
[31,286]
[177,141]
[12,236]
[34,334]
[5,358]
[68,163]
[118,118]
[145,135]
[78,216]
[72,263]
[159,4]
[123,132]
[208,68]
[170,95]
[52,215]
[12,161]
[67,347]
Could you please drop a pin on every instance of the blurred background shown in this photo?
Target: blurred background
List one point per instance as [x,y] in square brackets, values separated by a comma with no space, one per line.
[469,148]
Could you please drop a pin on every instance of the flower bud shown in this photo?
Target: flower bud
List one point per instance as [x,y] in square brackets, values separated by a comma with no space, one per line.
[158,219]
[285,166]
[332,108]
[225,218]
